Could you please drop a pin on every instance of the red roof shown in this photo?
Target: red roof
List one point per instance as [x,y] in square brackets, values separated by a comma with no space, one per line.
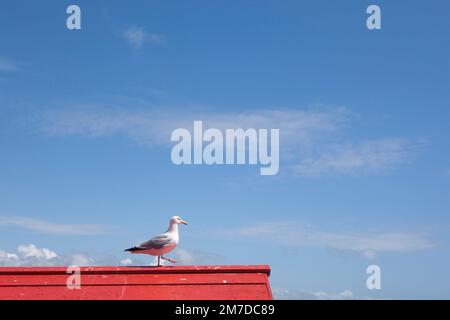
[143,283]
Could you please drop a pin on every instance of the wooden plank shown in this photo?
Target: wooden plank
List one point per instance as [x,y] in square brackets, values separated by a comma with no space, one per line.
[140,292]
[146,270]
[132,279]
[269,289]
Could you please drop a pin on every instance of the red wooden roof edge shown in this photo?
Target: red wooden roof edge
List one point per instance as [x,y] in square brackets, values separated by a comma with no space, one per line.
[210,282]
[140,269]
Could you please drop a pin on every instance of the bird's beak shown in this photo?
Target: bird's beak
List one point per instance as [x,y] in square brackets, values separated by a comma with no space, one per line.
[183,222]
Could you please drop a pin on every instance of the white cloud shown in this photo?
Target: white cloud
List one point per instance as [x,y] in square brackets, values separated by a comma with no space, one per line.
[28,255]
[7,64]
[137,37]
[310,140]
[196,257]
[5,256]
[300,129]
[80,259]
[185,257]
[368,244]
[368,156]
[126,262]
[285,294]
[51,228]
[31,251]
[32,255]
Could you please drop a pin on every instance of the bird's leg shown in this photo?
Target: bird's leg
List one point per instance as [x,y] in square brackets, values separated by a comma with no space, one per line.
[159,261]
[168,259]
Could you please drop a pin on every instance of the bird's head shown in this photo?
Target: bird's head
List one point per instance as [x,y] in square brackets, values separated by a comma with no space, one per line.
[177,220]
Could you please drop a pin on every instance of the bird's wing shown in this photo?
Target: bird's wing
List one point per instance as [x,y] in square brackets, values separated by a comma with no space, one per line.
[156,242]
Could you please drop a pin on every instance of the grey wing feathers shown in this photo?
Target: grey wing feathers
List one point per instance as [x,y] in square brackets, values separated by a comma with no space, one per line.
[154,243]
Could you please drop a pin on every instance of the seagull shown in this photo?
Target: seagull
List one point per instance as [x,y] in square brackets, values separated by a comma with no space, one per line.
[161,244]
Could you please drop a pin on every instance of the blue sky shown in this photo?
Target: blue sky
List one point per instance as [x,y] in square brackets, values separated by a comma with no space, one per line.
[86,116]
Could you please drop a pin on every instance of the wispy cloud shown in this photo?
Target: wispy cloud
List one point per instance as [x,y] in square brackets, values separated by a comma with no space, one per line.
[46,227]
[368,156]
[137,37]
[7,64]
[311,140]
[154,126]
[368,244]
